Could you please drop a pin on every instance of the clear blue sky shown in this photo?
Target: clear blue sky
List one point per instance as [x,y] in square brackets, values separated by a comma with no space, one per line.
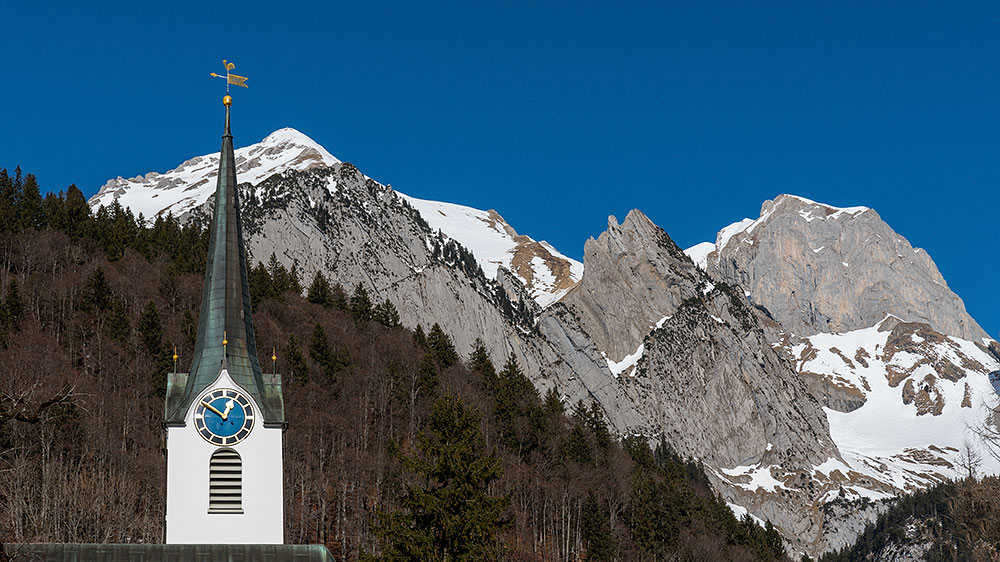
[555,114]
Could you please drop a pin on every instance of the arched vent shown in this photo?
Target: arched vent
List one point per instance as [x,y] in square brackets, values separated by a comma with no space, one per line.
[225,482]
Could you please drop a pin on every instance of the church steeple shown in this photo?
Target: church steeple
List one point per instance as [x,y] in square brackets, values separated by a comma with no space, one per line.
[225,307]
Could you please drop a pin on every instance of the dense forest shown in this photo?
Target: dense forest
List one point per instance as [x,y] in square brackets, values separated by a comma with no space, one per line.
[397,447]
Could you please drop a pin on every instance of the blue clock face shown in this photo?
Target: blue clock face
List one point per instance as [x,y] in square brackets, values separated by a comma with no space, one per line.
[224,416]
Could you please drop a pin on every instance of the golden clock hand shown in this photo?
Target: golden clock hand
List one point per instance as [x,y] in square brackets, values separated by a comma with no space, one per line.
[229,408]
[211,407]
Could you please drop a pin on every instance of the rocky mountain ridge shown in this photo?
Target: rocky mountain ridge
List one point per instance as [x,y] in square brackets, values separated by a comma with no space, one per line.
[822,269]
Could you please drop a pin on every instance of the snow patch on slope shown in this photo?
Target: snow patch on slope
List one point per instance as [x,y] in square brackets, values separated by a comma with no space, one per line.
[546,273]
[887,440]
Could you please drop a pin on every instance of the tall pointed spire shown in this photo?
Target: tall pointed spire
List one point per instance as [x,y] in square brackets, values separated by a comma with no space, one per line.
[225,327]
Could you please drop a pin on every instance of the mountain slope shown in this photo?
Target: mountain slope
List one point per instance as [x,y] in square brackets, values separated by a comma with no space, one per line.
[545,272]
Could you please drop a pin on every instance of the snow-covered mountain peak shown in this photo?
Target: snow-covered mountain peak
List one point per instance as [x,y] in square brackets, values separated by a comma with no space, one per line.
[190,184]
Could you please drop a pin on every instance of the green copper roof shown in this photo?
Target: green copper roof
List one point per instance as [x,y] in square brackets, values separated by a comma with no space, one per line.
[225,311]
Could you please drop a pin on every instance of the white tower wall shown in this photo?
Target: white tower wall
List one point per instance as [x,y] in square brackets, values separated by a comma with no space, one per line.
[188,455]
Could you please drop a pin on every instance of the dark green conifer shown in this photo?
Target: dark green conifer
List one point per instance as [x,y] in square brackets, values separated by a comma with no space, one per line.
[577,448]
[150,329]
[386,314]
[553,405]
[261,285]
[419,338]
[30,205]
[97,292]
[13,306]
[480,363]
[76,213]
[319,291]
[447,512]
[595,530]
[339,297]
[440,345]
[118,327]
[298,371]
[361,304]
[189,329]
[295,279]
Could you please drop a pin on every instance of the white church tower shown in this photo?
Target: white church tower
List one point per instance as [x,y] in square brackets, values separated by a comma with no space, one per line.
[224,419]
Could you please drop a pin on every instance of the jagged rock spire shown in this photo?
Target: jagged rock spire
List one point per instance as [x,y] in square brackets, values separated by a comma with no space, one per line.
[225,306]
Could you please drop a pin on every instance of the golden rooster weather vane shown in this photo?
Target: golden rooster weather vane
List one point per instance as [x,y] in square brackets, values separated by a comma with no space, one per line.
[230,77]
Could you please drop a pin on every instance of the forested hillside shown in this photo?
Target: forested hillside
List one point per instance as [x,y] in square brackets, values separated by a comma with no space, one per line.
[397,448]
[951,522]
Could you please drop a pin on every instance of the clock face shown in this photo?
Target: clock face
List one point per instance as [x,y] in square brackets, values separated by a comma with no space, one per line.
[223,416]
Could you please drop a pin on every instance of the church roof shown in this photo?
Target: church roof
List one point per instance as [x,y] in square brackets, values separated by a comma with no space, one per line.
[225,311]
[170,552]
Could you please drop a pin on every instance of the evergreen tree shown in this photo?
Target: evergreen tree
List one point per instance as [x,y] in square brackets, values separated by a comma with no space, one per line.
[118,327]
[419,338]
[297,369]
[577,448]
[440,345]
[773,541]
[30,205]
[427,376]
[553,405]
[480,363]
[281,279]
[447,511]
[386,314]
[8,201]
[189,329]
[319,291]
[516,408]
[594,418]
[595,530]
[361,304]
[97,292]
[261,285]
[330,360]
[13,306]
[319,347]
[76,213]
[295,279]
[339,298]
[150,329]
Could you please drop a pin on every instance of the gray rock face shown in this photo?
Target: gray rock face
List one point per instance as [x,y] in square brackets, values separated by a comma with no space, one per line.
[726,396]
[633,276]
[821,269]
[710,366]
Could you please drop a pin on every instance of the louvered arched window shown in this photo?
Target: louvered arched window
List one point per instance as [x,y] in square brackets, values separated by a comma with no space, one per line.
[225,482]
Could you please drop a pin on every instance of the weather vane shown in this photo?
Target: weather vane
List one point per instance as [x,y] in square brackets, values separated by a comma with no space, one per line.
[230,77]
